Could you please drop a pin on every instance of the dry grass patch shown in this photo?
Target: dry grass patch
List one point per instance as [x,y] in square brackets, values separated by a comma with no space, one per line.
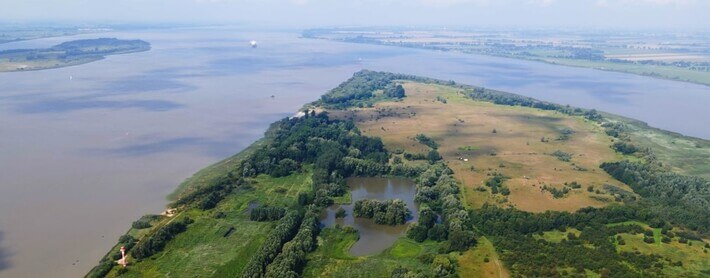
[464,129]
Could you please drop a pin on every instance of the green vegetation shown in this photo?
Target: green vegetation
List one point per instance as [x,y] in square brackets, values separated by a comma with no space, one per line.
[678,199]
[284,232]
[421,138]
[331,258]
[562,156]
[256,214]
[266,213]
[390,212]
[68,54]
[154,243]
[360,90]
[512,231]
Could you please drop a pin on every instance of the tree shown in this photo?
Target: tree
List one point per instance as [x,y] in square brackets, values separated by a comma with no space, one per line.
[438,233]
[417,233]
[433,156]
[461,240]
[396,91]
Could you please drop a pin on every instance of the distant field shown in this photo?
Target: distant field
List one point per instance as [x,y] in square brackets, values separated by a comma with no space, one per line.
[559,47]
[667,72]
[659,57]
[464,130]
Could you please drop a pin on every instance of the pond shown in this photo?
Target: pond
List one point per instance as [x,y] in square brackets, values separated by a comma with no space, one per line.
[374,238]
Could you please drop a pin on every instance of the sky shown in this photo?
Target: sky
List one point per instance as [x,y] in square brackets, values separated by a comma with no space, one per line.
[602,14]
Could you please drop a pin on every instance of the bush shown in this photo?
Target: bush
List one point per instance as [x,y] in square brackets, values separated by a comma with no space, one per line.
[340,213]
[266,213]
[563,156]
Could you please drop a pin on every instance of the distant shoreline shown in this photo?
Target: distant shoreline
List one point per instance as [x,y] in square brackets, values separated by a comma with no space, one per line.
[652,74]
[70,53]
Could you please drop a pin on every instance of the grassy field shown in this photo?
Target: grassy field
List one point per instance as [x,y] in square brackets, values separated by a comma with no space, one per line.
[465,130]
[695,259]
[331,258]
[472,263]
[557,236]
[683,154]
[204,251]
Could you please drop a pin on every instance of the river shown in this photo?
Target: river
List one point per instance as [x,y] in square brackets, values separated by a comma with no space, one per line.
[85,150]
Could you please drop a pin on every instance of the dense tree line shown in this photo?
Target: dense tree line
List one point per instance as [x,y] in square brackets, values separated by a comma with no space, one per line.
[286,229]
[389,212]
[365,82]
[336,149]
[207,197]
[503,98]
[266,213]
[438,191]
[677,198]
[361,86]
[512,233]
[292,259]
[155,242]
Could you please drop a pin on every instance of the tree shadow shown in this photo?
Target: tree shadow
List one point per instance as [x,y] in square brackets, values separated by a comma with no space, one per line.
[4,255]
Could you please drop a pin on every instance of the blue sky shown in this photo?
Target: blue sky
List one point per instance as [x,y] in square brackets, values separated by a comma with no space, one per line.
[622,14]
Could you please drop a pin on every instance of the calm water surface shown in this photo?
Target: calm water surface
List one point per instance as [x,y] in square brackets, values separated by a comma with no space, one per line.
[85,150]
[373,237]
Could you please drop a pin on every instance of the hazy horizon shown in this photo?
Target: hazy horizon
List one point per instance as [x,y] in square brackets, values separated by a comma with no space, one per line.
[687,15]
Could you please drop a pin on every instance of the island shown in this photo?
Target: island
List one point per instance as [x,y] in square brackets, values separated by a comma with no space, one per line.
[66,54]
[506,185]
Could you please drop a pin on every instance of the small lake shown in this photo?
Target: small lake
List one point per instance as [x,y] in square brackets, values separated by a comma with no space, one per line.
[374,238]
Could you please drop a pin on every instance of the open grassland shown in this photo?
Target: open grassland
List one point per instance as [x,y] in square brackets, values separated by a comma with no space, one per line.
[497,139]
[557,236]
[683,154]
[472,263]
[331,258]
[204,250]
